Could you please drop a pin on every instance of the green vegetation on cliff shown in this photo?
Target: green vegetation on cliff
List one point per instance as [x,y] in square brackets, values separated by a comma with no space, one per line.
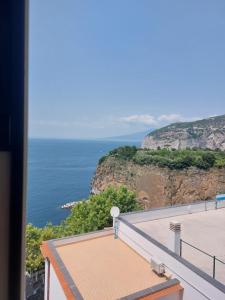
[86,216]
[125,153]
[172,159]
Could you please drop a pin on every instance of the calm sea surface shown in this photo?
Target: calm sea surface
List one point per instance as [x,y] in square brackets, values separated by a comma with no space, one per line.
[60,171]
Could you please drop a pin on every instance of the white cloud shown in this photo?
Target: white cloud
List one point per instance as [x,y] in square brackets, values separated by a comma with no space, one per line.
[140,119]
[170,118]
[156,121]
[106,125]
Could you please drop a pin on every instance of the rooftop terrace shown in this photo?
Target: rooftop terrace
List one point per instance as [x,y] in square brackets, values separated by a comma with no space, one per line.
[97,266]
[201,226]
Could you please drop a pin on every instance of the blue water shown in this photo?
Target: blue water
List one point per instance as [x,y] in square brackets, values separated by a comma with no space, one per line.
[60,171]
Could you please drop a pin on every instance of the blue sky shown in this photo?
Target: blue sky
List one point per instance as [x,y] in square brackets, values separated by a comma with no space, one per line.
[105,68]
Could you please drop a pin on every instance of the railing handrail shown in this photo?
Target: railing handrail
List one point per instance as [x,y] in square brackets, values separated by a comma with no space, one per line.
[182,241]
[222,262]
[212,256]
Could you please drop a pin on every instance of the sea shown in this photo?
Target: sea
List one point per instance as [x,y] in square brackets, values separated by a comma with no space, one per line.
[60,171]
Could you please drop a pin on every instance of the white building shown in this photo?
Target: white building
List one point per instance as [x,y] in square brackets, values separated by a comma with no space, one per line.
[96,266]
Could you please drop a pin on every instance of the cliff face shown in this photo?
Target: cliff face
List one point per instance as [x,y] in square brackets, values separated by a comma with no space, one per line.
[207,133]
[157,186]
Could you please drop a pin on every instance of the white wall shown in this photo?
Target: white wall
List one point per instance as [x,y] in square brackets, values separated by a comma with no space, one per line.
[47,265]
[55,290]
[195,287]
[170,211]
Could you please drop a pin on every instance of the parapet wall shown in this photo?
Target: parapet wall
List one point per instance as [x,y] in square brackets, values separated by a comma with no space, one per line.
[197,284]
[171,211]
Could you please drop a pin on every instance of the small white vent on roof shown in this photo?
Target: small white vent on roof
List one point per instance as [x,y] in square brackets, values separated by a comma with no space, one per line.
[157,266]
[175,226]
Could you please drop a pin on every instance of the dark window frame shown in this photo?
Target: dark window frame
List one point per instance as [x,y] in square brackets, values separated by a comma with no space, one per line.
[13,136]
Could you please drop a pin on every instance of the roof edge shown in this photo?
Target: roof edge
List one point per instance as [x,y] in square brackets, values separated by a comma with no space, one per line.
[164,288]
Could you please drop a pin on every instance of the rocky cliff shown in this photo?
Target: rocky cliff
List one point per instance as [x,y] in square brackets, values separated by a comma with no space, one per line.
[207,133]
[156,186]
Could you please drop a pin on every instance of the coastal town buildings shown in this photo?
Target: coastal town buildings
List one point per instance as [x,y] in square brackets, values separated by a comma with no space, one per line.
[169,253]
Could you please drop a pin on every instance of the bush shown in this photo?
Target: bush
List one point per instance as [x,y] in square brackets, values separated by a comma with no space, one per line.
[102,159]
[124,153]
[181,163]
[142,158]
[201,164]
[171,158]
[220,163]
[209,158]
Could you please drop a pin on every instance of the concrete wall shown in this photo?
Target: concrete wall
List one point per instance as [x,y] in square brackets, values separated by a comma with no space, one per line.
[195,287]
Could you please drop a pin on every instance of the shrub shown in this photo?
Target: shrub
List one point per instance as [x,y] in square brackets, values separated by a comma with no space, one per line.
[125,152]
[209,158]
[171,158]
[102,159]
[142,158]
[220,163]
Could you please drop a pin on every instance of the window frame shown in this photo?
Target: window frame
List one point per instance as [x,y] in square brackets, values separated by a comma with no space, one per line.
[14,108]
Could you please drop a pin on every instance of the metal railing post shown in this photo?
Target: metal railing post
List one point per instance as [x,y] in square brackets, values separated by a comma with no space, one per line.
[214,266]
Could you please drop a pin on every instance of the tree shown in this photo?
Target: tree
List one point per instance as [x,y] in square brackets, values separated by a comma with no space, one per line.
[90,215]
[34,260]
[94,214]
[34,238]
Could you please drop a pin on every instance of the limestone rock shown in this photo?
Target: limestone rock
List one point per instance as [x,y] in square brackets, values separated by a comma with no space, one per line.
[207,133]
[156,186]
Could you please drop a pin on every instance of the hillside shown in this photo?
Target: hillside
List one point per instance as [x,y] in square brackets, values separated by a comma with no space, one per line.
[163,177]
[207,133]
